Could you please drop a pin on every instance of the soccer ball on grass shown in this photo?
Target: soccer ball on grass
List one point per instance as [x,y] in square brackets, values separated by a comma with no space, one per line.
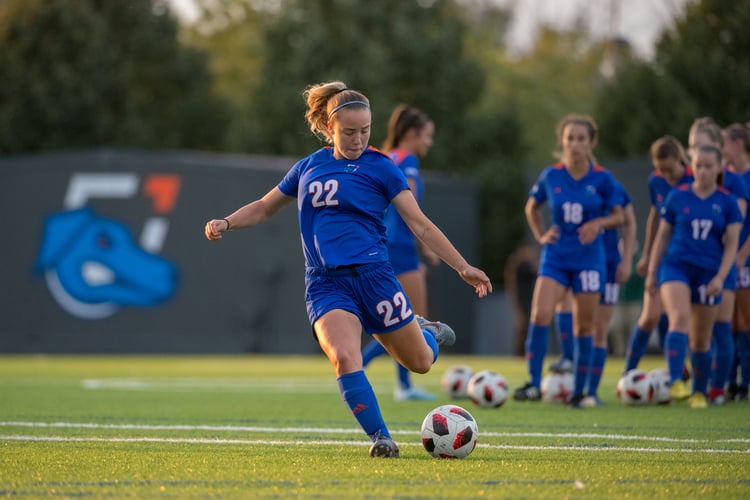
[449,431]
[635,389]
[557,388]
[662,384]
[487,389]
[456,380]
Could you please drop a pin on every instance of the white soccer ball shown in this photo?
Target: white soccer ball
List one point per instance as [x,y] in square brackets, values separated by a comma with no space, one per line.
[635,389]
[456,380]
[557,388]
[662,385]
[449,431]
[487,389]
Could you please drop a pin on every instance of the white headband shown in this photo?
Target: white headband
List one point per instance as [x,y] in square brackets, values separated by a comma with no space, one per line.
[361,103]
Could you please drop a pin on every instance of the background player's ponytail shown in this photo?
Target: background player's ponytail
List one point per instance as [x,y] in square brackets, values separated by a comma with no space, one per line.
[323,100]
[668,146]
[403,118]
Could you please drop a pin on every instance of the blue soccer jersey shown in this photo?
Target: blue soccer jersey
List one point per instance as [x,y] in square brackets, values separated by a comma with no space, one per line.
[737,185]
[398,233]
[659,188]
[573,203]
[611,236]
[341,204]
[745,233]
[698,226]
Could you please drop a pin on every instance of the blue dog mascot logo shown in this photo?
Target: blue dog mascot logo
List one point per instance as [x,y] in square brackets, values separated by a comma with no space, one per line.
[93,267]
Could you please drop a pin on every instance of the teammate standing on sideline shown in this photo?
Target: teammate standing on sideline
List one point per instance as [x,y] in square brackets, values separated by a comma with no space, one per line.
[618,270]
[671,170]
[580,195]
[409,138]
[697,242]
[342,192]
[705,131]
[737,155]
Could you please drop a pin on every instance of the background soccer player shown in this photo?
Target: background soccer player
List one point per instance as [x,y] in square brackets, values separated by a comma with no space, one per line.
[581,197]
[697,241]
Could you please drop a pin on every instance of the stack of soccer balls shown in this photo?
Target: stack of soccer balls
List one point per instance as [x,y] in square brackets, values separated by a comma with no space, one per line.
[638,388]
[486,388]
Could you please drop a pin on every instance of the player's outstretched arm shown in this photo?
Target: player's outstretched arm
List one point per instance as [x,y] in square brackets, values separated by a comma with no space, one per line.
[249,215]
[429,234]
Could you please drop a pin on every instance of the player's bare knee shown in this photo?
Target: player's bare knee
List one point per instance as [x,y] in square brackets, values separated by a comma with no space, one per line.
[344,362]
[420,364]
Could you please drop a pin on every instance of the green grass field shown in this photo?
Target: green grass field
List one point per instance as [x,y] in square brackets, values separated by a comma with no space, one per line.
[261,426]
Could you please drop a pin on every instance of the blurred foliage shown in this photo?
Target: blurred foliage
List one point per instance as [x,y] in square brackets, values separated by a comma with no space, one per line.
[701,68]
[394,51]
[560,75]
[233,33]
[82,73]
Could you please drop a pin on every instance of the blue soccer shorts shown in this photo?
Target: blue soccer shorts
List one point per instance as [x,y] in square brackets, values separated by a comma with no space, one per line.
[696,278]
[369,291]
[590,280]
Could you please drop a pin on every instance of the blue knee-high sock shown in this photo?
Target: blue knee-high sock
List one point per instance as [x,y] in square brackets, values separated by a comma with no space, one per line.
[429,337]
[582,361]
[662,328]
[372,351]
[597,368]
[675,350]
[701,363]
[357,392]
[743,346]
[536,349]
[734,367]
[636,348]
[404,376]
[722,355]
[564,330]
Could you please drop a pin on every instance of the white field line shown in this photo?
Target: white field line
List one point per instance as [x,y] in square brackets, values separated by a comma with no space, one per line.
[265,442]
[322,384]
[328,430]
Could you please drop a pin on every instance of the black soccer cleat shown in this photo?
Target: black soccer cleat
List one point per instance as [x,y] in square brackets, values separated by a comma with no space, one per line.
[577,401]
[383,446]
[528,392]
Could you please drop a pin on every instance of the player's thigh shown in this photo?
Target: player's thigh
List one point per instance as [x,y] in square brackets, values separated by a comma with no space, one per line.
[408,346]
[675,295]
[339,334]
[547,293]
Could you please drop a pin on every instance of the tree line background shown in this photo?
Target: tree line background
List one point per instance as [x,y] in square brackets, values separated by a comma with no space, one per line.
[124,73]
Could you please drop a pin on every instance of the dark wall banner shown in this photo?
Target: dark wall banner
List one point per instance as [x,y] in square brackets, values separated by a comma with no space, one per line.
[105,253]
